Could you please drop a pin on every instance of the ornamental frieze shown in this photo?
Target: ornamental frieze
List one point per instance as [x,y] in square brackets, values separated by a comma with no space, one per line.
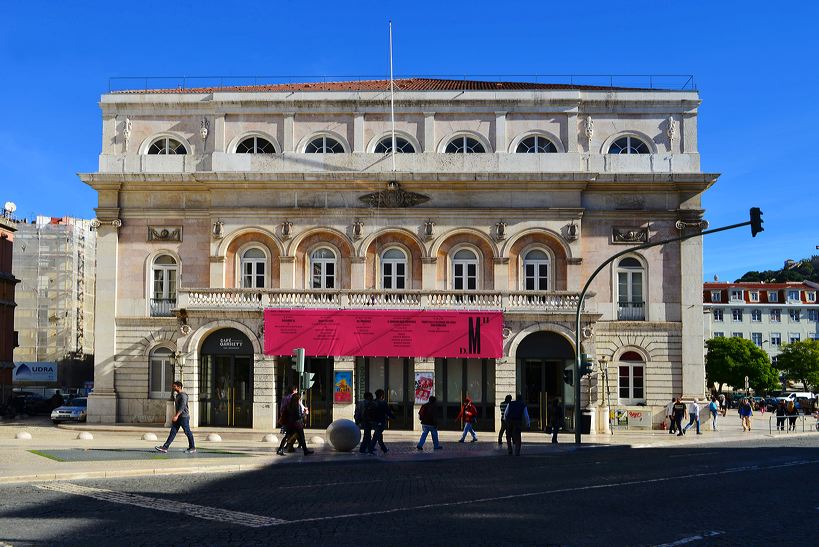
[629,235]
[393,197]
[164,233]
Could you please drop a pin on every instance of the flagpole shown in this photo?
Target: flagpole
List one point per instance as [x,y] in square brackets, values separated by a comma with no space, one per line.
[392,103]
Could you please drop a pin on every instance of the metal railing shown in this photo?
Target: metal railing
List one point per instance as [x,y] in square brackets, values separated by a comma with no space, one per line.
[631,311]
[808,422]
[659,82]
[162,307]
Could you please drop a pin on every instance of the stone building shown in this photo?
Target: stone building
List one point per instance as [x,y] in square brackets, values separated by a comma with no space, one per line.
[8,336]
[219,205]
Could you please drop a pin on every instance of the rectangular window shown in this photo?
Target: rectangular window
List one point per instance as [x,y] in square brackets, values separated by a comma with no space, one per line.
[776,339]
[813,336]
[773,296]
[813,315]
[717,315]
[716,296]
[810,296]
[756,338]
[753,296]
[796,315]
[756,316]
[776,316]
[737,315]
[736,334]
[736,295]
[793,337]
[793,296]
[719,335]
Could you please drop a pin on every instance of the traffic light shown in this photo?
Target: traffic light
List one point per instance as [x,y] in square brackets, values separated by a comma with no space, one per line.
[568,376]
[307,380]
[756,221]
[299,365]
[586,364]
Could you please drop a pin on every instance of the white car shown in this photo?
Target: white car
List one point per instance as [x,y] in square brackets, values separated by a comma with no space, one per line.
[74,410]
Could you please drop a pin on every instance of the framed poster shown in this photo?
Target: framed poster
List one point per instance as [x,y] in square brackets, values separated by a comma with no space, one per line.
[343,387]
[424,387]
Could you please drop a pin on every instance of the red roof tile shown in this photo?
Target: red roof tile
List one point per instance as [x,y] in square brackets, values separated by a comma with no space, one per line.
[404,84]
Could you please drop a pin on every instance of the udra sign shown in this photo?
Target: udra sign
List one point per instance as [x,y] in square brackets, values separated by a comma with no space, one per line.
[384,333]
[34,372]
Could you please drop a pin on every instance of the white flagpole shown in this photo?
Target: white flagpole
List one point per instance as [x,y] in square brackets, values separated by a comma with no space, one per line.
[392,103]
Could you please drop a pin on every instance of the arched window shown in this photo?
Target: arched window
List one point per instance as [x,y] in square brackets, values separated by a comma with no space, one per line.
[629,145]
[166,146]
[323,269]
[631,378]
[464,144]
[465,270]
[536,271]
[536,144]
[630,285]
[163,287]
[255,145]
[253,268]
[324,145]
[161,373]
[394,269]
[402,146]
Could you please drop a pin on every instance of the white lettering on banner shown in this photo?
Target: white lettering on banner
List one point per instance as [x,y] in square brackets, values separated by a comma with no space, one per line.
[34,372]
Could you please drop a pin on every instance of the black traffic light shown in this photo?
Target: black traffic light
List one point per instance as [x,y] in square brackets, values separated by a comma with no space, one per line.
[568,376]
[586,364]
[756,221]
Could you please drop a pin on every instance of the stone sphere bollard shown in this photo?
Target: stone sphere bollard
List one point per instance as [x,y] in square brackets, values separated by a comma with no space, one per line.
[270,438]
[343,435]
[149,437]
[214,437]
[23,436]
[317,440]
[85,436]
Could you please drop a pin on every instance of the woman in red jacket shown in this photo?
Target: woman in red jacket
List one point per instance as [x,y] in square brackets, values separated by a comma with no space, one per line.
[469,414]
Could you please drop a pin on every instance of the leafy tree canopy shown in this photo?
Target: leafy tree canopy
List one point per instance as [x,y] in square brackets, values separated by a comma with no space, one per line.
[807,270]
[729,360]
[800,361]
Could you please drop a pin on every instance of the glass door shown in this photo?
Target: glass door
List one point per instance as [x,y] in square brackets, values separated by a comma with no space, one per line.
[456,379]
[393,376]
[226,391]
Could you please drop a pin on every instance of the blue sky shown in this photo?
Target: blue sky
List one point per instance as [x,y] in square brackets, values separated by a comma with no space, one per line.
[754,64]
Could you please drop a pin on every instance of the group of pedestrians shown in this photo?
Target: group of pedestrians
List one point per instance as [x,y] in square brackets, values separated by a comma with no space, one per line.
[292,413]
[787,412]
[371,416]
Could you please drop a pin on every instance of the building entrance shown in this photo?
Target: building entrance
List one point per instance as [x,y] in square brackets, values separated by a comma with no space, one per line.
[456,379]
[226,380]
[319,398]
[542,358]
[393,376]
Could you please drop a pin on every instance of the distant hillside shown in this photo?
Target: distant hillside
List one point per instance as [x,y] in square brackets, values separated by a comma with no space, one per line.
[806,269]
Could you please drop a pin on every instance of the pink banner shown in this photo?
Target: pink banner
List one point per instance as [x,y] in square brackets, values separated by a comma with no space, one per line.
[384,333]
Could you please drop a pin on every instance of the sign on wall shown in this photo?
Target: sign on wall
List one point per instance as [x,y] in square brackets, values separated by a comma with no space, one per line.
[343,387]
[424,387]
[384,333]
[34,372]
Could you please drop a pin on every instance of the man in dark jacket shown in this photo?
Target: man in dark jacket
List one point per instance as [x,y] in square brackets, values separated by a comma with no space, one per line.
[555,418]
[679,410]
[381,414]
[516,417]
[429,423]
[504,428]
[364,411]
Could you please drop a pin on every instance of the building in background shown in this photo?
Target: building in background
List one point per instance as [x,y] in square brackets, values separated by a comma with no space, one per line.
[8,336]
[768,314]
[219,207]
[54,259]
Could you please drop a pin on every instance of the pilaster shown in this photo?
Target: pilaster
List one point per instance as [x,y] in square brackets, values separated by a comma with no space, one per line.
[429,267]
[288,145]
[287,272]
[429,133]
[500,132]
[217,272]
[358,267]
[358,133]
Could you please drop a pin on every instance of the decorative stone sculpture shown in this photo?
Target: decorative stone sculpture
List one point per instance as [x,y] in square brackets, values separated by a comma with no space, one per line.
[429,229]
[343,435]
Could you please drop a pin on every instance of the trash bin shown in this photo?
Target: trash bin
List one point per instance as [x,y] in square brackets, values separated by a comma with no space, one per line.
[585,423]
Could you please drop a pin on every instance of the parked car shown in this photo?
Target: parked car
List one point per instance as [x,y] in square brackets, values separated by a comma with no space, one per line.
[75,410]
[24,402]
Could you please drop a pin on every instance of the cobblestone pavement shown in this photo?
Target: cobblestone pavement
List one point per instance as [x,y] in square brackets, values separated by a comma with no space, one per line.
[695,493]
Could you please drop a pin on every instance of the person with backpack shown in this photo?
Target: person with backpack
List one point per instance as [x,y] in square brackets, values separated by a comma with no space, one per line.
[429,423]
[713,408]
[364,414]
[379,415]
[503,428]
[469,414]
[516,416]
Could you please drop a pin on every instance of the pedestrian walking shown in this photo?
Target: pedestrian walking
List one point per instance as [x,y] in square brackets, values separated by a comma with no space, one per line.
[380,414]
[669,413]
[555,418]
[792,412]
[181,419]
[693,416]
[745,413]
[516,416]
[364,414]
[781,412]
[429,423]
[504,428]
[282,412]
[722,403]
[294,418]
[470,417]
[713,407]
[678,411]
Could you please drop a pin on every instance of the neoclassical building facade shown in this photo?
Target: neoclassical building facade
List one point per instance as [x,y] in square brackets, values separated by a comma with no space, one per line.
[216,205]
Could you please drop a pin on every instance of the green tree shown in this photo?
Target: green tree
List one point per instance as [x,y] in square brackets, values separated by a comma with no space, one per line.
[800,361]
[730,360]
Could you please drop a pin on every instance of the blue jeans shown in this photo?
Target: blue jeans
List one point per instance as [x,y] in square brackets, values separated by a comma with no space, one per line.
[714,420]
[468,429]
[368,438]
[184,423]
[429,429]
[378,437]
[691,422]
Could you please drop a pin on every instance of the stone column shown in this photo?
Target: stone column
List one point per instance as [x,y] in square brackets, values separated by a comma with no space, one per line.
[264,391]
[358,266]
[693,356]
[502,274]
[344,410]
[429,273]
[570,136]
[421,364]
[429,133]
[505,384]
[288,144]
[287,272]
[500,132]
[358,133]
[219,143]
[217,272]
[102,403]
